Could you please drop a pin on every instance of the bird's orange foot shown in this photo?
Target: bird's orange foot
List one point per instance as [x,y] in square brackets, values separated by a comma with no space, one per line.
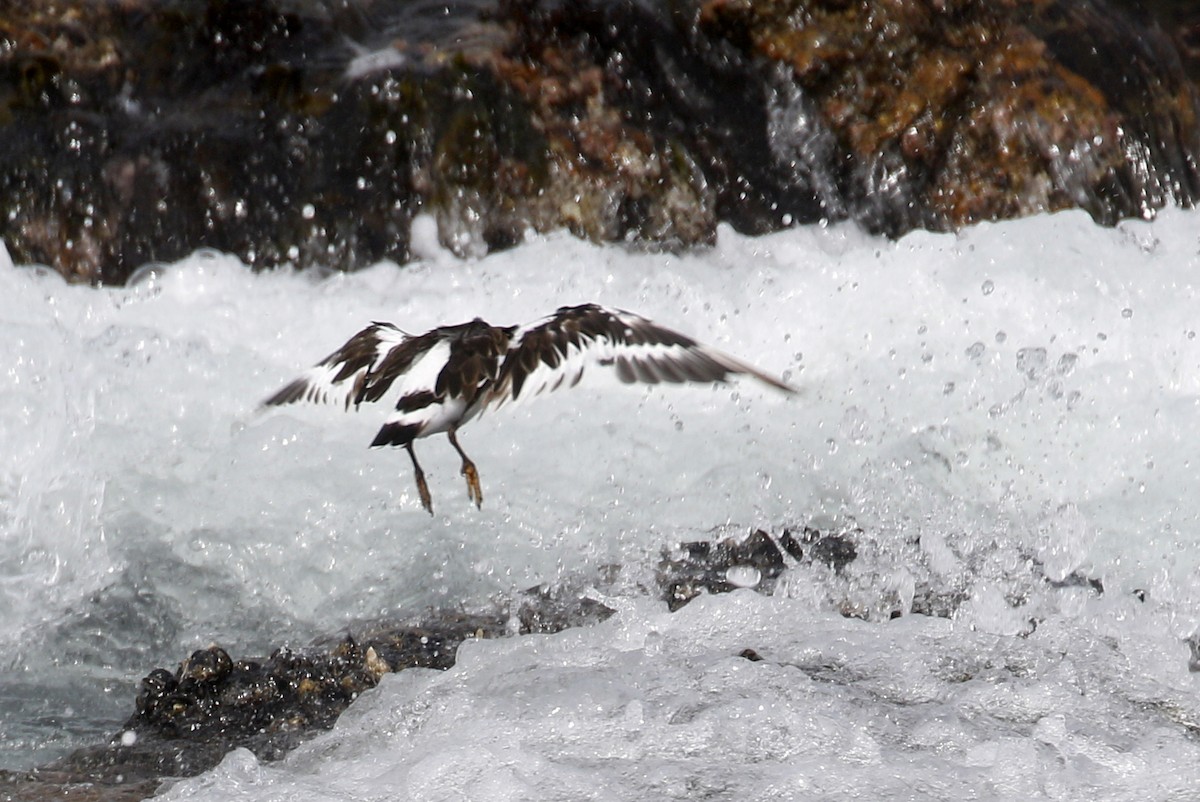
[423,489]
[474,491]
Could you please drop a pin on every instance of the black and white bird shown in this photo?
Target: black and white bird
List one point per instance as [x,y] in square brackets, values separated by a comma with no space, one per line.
[445,377]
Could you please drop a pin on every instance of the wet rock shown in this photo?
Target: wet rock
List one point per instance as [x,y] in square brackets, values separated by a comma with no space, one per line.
[42,785]
[755,562]
[719,567]
[938,602]
[1193,643]
[791,544]
[187,720]
[835,550]
[954,112]
[311,133]
[1075,579]
[546,609]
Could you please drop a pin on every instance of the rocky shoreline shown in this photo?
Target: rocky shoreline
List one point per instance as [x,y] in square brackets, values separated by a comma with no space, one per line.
[188,719]
[311,132]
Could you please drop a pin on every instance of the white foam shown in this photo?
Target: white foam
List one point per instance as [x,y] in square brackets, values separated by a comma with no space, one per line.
[1015,403]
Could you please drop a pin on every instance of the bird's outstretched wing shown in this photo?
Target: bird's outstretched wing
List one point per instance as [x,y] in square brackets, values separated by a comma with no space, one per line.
[361,370]
[554,352]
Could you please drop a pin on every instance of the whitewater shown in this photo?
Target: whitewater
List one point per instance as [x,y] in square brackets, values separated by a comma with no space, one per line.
[1003,420]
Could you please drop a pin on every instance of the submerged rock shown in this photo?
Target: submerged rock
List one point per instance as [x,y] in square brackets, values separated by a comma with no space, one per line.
[703,566]
[310,132]
[187,720]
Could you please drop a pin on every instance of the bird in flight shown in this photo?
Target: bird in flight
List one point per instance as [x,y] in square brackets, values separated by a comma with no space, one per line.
[445,377]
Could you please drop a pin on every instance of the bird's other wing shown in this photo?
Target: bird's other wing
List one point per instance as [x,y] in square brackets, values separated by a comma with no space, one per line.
[554,352]
[361,370]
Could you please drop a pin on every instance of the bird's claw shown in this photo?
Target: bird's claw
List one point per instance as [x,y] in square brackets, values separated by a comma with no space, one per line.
[474,491]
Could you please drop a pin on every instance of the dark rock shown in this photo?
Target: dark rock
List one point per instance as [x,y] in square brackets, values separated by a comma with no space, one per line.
[940,603]
[948,113]
[186,721]
[836,551]
[553,609]
[41,785]
[311,133]
[1193,642]
[791,545]
[713,567]
[1078,580]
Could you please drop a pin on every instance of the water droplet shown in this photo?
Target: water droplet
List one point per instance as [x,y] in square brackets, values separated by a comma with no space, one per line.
[743,576]
[988,287]
[1127,313]
[947,388]
[976,350]
[1001,336]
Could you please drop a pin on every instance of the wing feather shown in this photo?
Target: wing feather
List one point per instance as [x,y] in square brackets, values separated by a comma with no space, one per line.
[554,352]
[361,370]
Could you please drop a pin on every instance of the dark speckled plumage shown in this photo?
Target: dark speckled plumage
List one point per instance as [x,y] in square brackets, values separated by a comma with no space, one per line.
[447,376]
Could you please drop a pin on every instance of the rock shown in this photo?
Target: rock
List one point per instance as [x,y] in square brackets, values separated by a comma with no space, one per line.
[948,113]
[721,567]
[836,551]
[187,720]
[546,609]
[1193,643]
[311,133]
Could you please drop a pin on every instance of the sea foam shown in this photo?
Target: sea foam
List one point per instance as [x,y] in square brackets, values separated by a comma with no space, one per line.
[997,417]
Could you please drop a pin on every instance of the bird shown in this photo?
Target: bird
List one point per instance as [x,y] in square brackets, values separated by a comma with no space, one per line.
[449,375]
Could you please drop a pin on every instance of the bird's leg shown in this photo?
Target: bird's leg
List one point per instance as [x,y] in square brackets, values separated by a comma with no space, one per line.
[474,492]
[422,488]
